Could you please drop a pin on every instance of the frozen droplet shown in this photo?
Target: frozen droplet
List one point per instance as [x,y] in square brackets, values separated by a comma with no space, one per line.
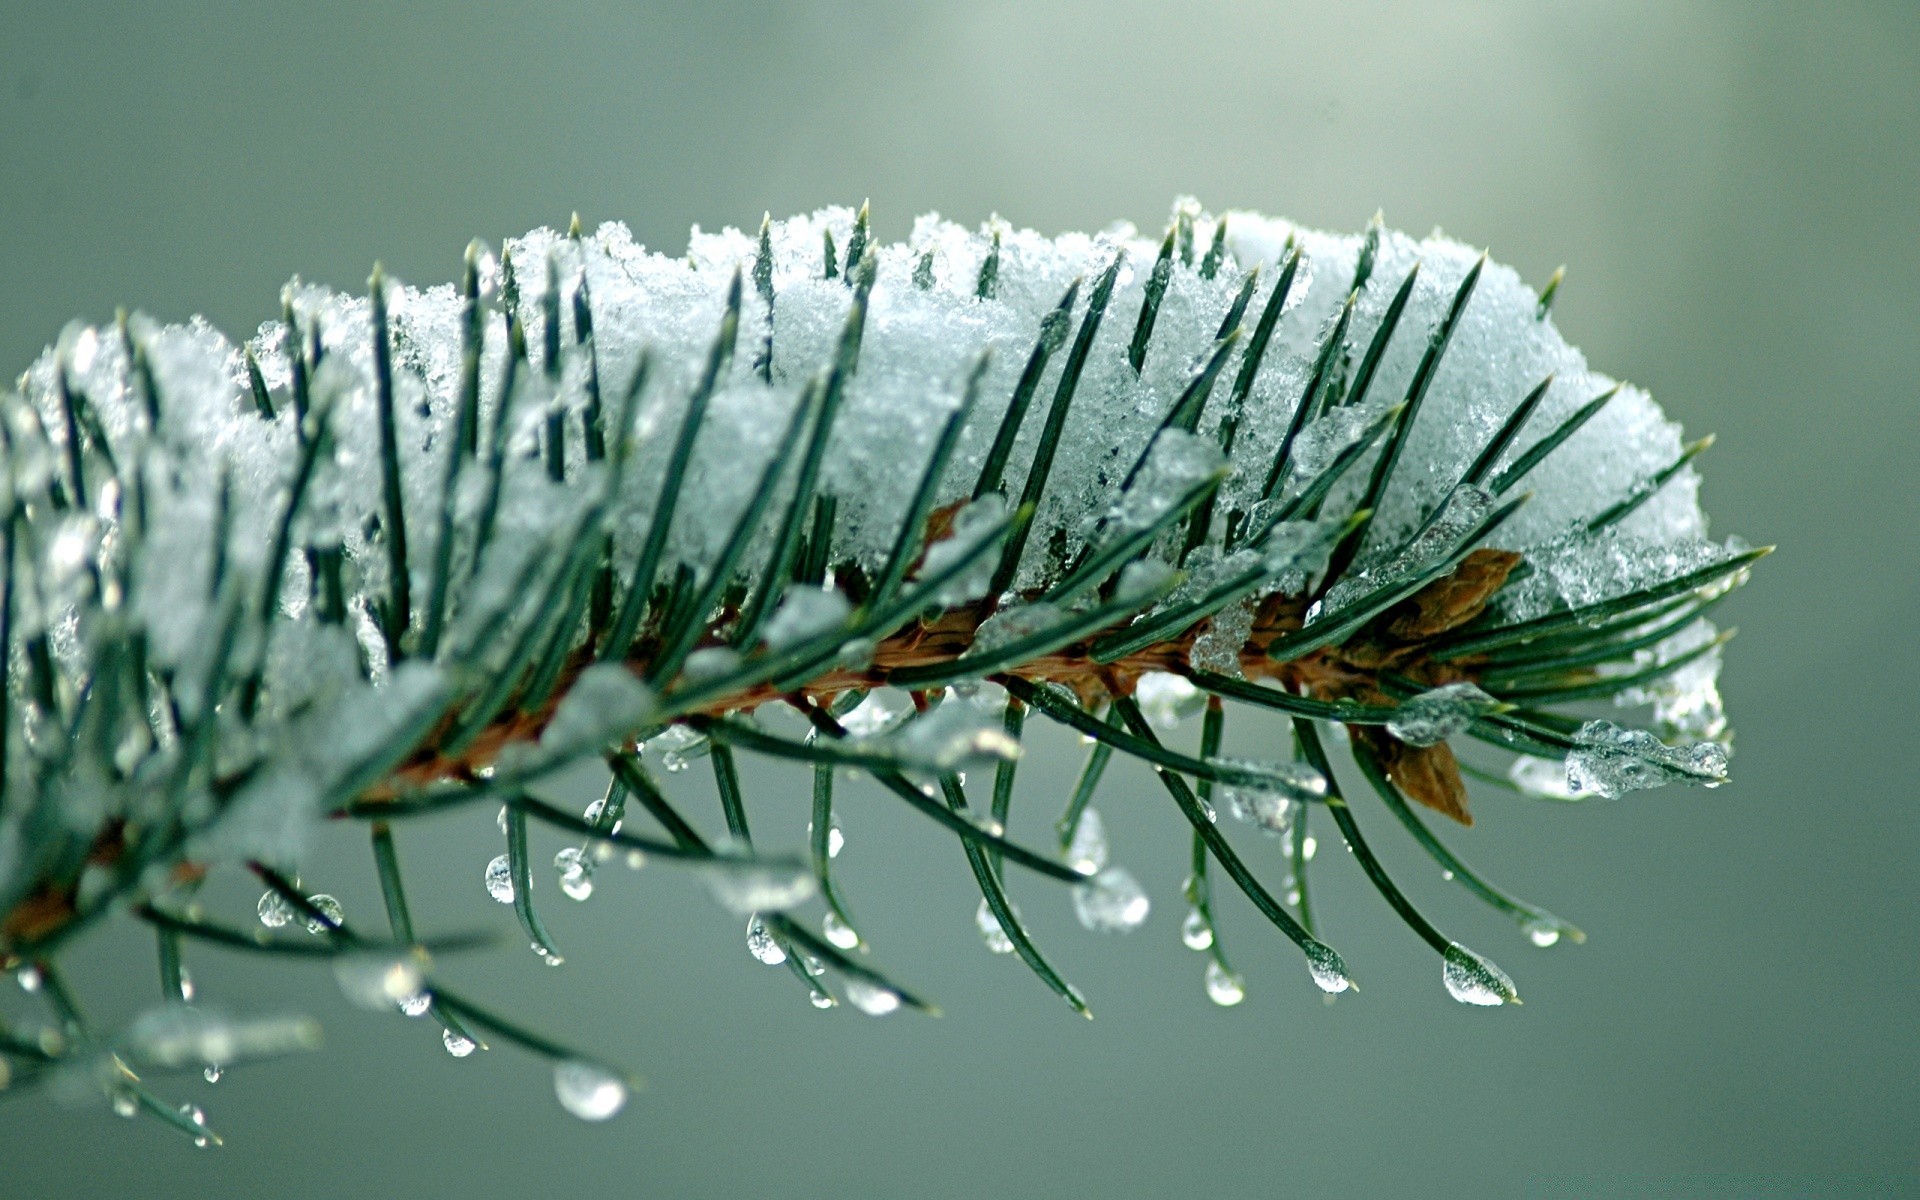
[871,998]
[377,981]
[1542,933]
[677,747]
[605,704]
[882,709]
[1471,979]
[327,907]
[456,1045]
[711,662]
[949,737]
[1609,760]
[762,944]
[1112,901]
[212,1073]
[759,885]
[589,1092]
[1219,646]
[820,999]
[28,977]
[1087,852]
[1269,794]
[1166,699]
[804,613]
[274,910]
[990,932]
[576,873]
[416,1005]
[1434,716]
[1224,987]
[1015,624]
[1328,969]
[1308,846]
[971,527]
[1196,932]
[1540,778]
[499,879]
[839,932]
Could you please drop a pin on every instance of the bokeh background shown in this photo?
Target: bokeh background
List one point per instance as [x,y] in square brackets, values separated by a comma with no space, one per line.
[1735,189]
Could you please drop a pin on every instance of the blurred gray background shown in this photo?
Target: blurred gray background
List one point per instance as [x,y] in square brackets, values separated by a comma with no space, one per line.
[1734,189]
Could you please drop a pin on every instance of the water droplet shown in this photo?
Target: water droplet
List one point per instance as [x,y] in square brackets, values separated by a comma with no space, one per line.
[1087,852]
[1195,931]
[546,953]
[500,819]
[377,981]
[456,1045]
[635,860]
[499,879]
[328,908]
[589,1092]
[812,966]
[212,1073]
[836,841]
[1112,901]
[28,977]
[871,998]
[1328,969]
[990,932]
[761,944]
[1307,848]
[1542,932]
[186,985]
[576,873]
[1224,987]
[820,999]
[1471,979]
[595,811]
[274,911]
[125,1103]
[839,932]
[1447,875]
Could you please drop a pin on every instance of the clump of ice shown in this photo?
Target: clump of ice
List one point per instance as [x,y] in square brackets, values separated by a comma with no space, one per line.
[161,531]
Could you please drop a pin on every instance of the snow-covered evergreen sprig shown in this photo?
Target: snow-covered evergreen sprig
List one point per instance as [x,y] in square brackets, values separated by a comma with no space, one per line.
[423,549]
